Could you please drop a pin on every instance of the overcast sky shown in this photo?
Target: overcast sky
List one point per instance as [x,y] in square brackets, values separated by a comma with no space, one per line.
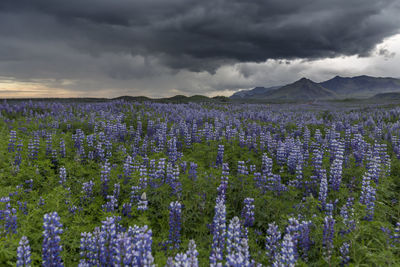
[157,48]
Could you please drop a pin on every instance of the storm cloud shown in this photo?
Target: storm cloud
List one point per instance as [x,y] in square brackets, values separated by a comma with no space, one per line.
[122,41]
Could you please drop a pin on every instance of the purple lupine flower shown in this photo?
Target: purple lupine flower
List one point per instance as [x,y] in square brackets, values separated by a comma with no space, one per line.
[221,190]
[234,235]
[9,216]
[23,207]
[370,202]
[41,201]
[172,150]
[54,156]
[29,183]
[176,185]
[49,141]
[335,177]
[242,169]
[36,146]
[170,262]
[107,245]
[393,238]
[281,154]
[328,234]
[183,165]
[300,233]
[287,255]
[317,162]
[134,195]
[128,168]
[305,242]
[87,191]
[175,224]
[253,168]
[111,205]
[298,183]
[266,167]
[272,241]
[116,191]
[105,178]
[193,171]
[396,235]
[83,263]
[18,158]
[121,248]
[12,141]
[181,260]
[347,213]
[344,254]
[295,158]
[260,181]
[329,209]
[237,245]
[51,248]
[142,237]
[143,203]
[367,196]
[220,155]
[248,212]
[106,240]
[274,183]
[169,173]
[31,150]
[63,176]
[323,189]
[127,209]
[218,231]
[99,153]
[241,258]
[87,249]
[143,177]
[364,188]
[160,172]
[24,253]
[62,149]
[192,254]
[293,228]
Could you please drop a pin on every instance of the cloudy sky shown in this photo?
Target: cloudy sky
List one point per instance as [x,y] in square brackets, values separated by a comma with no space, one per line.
[157,48]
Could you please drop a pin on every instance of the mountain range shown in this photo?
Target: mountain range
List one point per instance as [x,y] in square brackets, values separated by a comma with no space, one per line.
[335,88]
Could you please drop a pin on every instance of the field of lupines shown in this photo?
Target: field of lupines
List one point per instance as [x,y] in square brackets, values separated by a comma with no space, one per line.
[143,184]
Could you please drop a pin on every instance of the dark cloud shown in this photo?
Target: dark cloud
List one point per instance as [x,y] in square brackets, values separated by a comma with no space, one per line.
[129,39]
[185,34]
[384,52]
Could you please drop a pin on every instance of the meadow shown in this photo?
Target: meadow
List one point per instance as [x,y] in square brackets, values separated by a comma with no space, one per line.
[122,183]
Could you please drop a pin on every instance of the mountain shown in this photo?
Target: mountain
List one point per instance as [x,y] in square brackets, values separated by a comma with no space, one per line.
[256,92]
[337,87]
[386,97]
[303,89]
[362,86]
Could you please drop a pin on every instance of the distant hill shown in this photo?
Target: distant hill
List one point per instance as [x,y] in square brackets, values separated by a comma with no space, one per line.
[386,96]
[133,98]
[301,90]
[175,99]
[362,86]
[254,93]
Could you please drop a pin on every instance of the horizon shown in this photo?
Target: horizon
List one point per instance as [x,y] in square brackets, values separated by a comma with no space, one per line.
[157,49]
[185,95]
